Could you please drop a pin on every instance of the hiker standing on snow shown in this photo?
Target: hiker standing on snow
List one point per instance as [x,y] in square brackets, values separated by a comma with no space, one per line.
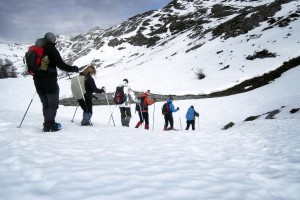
[190,118]
[46,84]
[83,88]
[142,109]
[125,106]
[168,109]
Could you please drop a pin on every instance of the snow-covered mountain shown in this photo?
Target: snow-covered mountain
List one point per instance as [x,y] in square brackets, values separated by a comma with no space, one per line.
[193,37]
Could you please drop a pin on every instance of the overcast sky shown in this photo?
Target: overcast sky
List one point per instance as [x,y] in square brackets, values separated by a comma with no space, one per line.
[23,21]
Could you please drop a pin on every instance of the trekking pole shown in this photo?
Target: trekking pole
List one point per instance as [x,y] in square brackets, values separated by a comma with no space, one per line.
[141,113]
[153,116]
[84,100]
[180,120]
[26,110]
[198,122]
[111,115]
[75,112]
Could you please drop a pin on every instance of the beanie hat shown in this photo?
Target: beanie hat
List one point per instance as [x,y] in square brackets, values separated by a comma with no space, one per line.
[148,92]
[125,80]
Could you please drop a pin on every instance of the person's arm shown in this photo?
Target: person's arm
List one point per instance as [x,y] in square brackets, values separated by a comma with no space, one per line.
[55,57]
[132,95]
[93,87]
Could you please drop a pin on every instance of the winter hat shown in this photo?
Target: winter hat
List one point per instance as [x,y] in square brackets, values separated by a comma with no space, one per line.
[148,92]
[192,106]
[125,80]
[50,37]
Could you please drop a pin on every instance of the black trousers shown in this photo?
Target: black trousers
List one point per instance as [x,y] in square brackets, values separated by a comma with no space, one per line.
[169,119]
[48,91]
[86,105]
[144,116]
[190,122]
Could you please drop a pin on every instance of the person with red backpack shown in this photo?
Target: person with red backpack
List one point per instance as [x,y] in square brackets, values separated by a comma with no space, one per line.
[167,111]
[142,109]
[122,98]
[46,83]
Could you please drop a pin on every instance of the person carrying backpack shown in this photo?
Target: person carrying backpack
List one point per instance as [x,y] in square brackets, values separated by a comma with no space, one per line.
[122,98]
[142,109]
[190,118]
[83,88]
[168,109]
[46,83]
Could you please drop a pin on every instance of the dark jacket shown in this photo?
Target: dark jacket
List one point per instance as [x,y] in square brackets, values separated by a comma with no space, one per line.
[55,60]
[90,86]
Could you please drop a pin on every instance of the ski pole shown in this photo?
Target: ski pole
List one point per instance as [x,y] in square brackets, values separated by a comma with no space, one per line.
[180,120]
[75,112]
[111,115]
[27,110]
[198,122]
[141,114]
[153,116]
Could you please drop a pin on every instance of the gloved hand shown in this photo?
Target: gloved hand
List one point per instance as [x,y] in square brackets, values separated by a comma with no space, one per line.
[177,108]
[104,88]
[75,69]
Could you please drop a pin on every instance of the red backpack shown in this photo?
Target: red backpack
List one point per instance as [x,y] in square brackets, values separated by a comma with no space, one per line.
[34,57]
[166,109]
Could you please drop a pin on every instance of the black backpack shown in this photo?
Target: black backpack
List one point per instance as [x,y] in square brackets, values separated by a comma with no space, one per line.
[36,61]
[119,97]
[140,106]
[166,109]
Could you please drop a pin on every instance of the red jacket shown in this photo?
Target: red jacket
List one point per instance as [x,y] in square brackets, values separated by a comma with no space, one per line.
[146,101]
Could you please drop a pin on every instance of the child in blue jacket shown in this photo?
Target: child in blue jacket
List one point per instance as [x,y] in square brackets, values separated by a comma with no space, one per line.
[190,118]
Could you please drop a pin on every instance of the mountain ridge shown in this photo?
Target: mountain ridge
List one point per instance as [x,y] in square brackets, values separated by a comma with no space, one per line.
[213,36]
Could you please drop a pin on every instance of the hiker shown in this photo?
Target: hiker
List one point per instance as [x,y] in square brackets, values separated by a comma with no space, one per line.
[88,87]
[46,84]
[127,95]
[142,109]
[190,118]
[168,110]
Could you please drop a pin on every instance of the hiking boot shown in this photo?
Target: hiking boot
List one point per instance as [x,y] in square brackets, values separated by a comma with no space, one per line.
[165,128]
[55,127]
[86,124]
[147,126]
[138,124]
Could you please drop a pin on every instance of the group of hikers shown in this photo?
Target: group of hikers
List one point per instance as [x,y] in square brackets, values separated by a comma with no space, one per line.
[83,87]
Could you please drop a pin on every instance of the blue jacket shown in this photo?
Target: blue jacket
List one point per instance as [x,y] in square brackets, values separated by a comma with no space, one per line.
[190,115]
[172,108]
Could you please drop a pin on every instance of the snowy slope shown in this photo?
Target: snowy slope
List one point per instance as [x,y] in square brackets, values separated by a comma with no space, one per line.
[253,160]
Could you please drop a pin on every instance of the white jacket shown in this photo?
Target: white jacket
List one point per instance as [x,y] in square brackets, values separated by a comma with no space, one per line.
[129,95]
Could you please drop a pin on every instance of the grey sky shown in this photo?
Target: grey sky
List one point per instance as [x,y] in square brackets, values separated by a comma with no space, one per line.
[23,21]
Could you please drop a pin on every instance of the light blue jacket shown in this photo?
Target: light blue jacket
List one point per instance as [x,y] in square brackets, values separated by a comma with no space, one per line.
[172,107]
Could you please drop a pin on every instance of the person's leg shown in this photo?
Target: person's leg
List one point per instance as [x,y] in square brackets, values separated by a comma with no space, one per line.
[141,120]
[166,123]
[146,118]
[187,125]
[171,122]
[123,116]
[128,116]
[193,124]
